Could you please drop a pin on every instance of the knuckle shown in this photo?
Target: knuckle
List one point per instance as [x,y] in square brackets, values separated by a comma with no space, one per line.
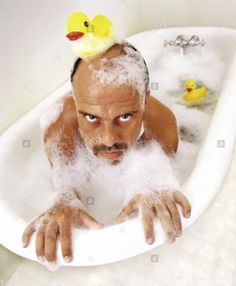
[170,234]
[50,236]
[50,216]
[166,213]
[175,212]
[146,207]
[148,235]
[39,234]
[65,236]
[62,215]
[39,252]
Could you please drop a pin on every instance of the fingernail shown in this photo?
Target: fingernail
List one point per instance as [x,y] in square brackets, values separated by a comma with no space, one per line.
[171,241]
[24,244]
[67,259]
[188,214]
[179,233]
[171,238]
[150,240]
[52,266]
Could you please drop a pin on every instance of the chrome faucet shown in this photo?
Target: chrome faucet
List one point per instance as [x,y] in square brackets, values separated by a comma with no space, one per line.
[183,43]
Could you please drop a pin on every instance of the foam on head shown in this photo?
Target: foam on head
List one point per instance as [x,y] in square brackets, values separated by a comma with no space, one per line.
[120,65]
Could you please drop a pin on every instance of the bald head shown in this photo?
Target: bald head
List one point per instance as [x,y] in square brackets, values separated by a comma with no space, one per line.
[120,64]
[112,52]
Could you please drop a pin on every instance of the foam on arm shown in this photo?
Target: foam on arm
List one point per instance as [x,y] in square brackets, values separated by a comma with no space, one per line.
[149,170]
[61,140]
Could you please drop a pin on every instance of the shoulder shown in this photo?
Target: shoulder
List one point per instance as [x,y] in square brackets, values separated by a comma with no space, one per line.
[161,123]
[63,108]
[157,110]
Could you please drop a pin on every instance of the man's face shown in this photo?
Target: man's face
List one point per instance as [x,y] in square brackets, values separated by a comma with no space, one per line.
[109,119]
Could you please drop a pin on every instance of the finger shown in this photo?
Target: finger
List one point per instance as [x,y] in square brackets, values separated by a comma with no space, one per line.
[90,221]
[174,212]
[166,221]
[30,229]
[39,242]
[65,238]
[127,210]
[51,240]
[181,199]
[147,218]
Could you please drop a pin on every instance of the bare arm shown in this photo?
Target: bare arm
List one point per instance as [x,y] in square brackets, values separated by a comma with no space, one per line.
[66,128]
[161,200]
[67,209]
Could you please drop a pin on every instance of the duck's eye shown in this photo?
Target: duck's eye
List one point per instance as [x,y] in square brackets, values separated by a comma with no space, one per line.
[86,24]
[125,117]
[91,118]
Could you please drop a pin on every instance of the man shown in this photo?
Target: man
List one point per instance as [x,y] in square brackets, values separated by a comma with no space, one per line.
[110,106]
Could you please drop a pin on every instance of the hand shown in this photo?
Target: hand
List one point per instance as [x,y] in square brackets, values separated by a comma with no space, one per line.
[57,220]
[162,205]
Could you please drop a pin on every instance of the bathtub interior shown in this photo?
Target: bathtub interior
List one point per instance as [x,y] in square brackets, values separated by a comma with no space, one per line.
[25,172]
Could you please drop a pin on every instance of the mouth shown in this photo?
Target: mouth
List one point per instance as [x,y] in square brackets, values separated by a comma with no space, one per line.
[189,89]
[73,36]
[111,154]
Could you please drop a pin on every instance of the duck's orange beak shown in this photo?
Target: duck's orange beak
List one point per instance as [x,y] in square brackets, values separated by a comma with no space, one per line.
[73,36]
[189,89]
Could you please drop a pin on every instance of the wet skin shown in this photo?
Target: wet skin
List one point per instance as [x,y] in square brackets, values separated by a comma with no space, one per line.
[107,120]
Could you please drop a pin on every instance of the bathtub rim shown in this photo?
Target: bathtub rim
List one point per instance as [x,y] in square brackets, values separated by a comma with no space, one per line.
[35,112]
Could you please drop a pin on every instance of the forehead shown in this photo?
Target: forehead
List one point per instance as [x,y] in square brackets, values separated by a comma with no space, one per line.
[84,74]
[90,91]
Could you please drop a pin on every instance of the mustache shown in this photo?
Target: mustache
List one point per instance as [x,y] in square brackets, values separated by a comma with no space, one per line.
[114,147]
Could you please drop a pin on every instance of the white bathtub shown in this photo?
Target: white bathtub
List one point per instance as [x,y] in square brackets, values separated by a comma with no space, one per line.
[22,200]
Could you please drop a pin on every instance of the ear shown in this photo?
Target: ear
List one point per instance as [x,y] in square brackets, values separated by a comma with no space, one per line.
[147,95]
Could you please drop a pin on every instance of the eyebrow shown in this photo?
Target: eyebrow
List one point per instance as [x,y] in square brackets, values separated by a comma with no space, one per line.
[87,113]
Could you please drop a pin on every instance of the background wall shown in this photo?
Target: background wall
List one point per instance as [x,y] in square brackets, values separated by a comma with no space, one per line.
[36,58]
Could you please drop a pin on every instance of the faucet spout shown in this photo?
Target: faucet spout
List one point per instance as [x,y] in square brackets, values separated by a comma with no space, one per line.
[184,43]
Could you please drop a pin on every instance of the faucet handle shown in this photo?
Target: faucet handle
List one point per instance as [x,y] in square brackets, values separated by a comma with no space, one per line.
[195,41]
[168,43]
[180,38]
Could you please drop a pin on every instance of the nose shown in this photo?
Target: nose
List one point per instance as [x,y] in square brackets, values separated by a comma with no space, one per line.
[110,135]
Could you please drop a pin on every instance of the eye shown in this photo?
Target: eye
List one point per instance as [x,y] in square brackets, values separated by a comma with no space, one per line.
[86,24]
[91,118]
[125,117]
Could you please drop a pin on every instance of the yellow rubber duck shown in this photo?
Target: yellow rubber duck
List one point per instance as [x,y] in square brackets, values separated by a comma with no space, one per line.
[89,37]
[192,94]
